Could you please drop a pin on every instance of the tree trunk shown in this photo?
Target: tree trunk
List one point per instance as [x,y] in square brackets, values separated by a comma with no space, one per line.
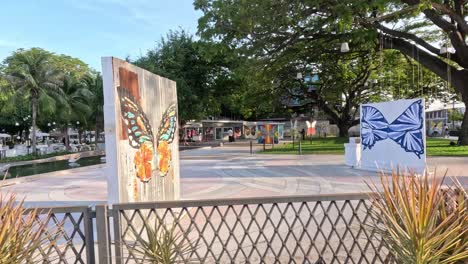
[80,134]
[99,125]
[463,137]
[96,134]
[34,117]
[461,84]
[343,129]
[65,136]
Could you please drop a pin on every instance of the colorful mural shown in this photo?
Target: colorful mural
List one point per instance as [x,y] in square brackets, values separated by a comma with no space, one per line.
[311,128]
[141,134]
[267,134]
[280,131]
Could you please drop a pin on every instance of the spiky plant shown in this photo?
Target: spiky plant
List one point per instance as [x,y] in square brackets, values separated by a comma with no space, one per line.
[21,235]
[421,221]
[162,245]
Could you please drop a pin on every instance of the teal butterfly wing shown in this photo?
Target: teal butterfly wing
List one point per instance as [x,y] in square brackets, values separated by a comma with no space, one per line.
[139,129]
[166,134]
[168,125]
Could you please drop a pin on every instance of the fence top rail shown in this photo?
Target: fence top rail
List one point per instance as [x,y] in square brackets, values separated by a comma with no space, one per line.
[59,209]
[242,201]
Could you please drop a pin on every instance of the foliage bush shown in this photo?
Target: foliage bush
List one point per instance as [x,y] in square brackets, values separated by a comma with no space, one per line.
[33,157]
[162,244]
[421,220]
[21,235]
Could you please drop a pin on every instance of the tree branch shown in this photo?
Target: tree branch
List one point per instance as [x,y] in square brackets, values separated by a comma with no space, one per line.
[410,36]
[393,14]
[439,21]
[448,11]
[431,62]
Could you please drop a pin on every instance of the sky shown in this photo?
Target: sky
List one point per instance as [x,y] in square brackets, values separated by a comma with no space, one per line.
[90,29]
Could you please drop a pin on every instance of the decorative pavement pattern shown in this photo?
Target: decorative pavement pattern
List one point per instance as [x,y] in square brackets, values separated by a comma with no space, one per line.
[224,172]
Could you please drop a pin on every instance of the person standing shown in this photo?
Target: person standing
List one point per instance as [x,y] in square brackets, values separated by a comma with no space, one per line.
[189,135]
[185,136]
[231,135]
[446,131]
[303,134]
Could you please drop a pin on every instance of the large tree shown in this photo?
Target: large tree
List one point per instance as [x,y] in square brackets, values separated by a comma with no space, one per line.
[276,30]
[336,84]
[32,77]
[41,88]
[96,119]
[434,33]
[75,104]
[201,71]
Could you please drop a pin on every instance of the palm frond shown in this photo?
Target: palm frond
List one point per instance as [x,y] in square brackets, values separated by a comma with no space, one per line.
[23,239]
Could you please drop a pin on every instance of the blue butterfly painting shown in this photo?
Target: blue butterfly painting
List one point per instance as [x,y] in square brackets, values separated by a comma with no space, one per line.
[406,130]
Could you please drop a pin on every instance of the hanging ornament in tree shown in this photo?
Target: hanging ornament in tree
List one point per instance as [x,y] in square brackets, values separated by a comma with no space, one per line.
[443,50]
[344,47]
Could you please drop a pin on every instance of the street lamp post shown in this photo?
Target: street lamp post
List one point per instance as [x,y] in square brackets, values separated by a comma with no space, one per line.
[453,113]
[79,134]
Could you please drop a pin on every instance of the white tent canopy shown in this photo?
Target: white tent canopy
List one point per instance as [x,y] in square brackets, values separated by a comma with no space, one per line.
[2,135]
[41,134]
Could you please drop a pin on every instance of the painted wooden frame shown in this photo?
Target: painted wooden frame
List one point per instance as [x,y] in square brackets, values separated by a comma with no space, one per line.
[141,129]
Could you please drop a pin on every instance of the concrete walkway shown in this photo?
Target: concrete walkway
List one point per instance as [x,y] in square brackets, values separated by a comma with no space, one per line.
[220,172]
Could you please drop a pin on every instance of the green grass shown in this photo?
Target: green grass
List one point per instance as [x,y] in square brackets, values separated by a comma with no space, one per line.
[435,147]
[33,157]
[316,146]
[441,147]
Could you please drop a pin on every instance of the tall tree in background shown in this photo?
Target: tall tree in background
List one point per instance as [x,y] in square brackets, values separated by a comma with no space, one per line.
[434,33]
[275,30]
[337,84]
[74,104]
[94,84]
[203,80]
[33,78]
[47,87]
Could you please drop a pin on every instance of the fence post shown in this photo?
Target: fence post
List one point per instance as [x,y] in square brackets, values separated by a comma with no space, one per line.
[300,147]
[103,236]
[89,235]
[264,144]
[251,148]
[117,236]
[293,139]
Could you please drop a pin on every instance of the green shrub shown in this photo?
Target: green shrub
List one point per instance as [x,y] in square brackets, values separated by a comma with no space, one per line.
[162,244]
[33,157]
[420,220]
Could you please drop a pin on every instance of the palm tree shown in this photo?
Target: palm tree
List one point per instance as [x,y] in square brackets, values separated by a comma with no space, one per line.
[94,84]
[75,104]
[32,77]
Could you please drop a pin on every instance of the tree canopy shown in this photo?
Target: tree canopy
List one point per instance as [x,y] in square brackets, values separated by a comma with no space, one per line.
[206,85]
[40,87]
[431,33]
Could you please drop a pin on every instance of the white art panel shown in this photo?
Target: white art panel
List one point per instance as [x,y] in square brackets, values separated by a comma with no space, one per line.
[393,135]
[142,149]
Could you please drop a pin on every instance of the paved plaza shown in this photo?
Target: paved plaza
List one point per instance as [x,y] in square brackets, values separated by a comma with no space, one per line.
[223,172]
